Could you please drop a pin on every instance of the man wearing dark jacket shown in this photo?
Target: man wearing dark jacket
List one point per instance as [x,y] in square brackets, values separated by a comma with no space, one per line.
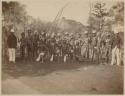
[12,44]
[117,46]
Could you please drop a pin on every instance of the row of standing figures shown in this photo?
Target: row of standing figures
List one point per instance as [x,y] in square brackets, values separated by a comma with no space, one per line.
[65,52]
[52,48]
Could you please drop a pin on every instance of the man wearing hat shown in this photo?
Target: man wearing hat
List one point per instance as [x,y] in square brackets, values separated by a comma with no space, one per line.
[12,44]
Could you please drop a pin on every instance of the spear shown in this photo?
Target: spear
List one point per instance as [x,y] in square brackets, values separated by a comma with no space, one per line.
[58,16]
[60,12]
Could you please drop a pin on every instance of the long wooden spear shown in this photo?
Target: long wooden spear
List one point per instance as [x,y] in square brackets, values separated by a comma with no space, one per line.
[57,17]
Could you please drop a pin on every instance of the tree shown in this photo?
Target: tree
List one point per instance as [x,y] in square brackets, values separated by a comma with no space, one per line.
[117,12]
[96,22]
[97,16]
[13,12]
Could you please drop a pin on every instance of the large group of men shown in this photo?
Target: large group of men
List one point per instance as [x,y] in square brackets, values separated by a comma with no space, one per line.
[41,47]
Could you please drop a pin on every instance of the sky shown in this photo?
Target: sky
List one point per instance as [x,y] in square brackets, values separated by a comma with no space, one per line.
[47,10]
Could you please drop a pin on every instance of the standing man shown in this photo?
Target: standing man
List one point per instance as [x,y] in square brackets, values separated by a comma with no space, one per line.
[23,45]
[29,45]
[35,44]
[12,44]
[108,48]
[117,46]
[94,45]
[84,48]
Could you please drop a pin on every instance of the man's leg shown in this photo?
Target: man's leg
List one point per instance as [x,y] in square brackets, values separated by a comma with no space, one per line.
[65,58]
[118,55]
[40,56]
[21,51]
[35,52]
[83,51]
[29,53]
[51,59]
[13,55]
[93,53]
[10,54]
[113,56]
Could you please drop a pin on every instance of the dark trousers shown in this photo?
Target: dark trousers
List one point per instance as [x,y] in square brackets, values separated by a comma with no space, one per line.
[22,49]
[29,52]
[35,51]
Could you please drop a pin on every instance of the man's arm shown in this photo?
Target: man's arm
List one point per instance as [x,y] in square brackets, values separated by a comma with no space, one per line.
[8,40]
[15,41]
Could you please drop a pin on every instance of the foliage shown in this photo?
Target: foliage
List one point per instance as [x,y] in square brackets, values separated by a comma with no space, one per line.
[13,12]
[117,12]
[97,16]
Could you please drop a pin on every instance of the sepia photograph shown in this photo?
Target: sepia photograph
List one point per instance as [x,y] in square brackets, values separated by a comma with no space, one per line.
[68,47]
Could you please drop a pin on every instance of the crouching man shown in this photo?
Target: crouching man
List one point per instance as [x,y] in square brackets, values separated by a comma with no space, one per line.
[41,55]
[12,44]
